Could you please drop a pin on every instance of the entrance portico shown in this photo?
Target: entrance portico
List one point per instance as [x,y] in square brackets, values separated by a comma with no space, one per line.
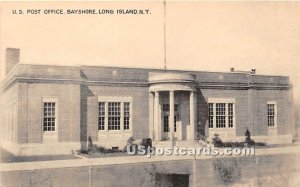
[173,108]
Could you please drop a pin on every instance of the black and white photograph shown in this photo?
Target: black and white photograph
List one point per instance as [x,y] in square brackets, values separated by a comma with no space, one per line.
[149,93]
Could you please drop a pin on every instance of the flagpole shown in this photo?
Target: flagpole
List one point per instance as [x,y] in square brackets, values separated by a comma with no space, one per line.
[165,41]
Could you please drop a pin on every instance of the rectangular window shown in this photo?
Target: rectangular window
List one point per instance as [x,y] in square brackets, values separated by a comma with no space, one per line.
[166,123]
[166,111]
[101,120]
[175,119]
[49,116]
[126,115]
[220,115]
[271,115]
[114,115]
[176,116]
[166,108]
[210,115]
[230,115]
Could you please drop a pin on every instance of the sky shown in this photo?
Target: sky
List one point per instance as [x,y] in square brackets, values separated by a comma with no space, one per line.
[206,36]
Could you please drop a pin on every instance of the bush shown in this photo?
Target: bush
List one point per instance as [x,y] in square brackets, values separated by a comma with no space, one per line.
[130,140]
[241,144]
[105,150]
[82,151]
[260,144]
[90,143]
[146,142]
[101,149]
[233,144]
[216,140]
[249,142]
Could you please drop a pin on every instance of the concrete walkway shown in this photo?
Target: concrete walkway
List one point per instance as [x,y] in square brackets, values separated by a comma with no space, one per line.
[128,160]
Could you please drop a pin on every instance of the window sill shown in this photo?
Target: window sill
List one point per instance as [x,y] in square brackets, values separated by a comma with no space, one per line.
[113,131]
[222,129]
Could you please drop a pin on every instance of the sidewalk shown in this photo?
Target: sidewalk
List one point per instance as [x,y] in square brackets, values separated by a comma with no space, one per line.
[128,160]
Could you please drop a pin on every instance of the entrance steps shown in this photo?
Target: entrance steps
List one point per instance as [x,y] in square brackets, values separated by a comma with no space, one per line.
[178,143]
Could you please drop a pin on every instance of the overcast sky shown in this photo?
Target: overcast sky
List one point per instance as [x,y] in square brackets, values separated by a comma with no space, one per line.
[209,36]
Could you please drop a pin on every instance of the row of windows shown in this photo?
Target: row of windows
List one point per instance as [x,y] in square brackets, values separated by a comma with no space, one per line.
[113,119]
[217,115]
[219,112]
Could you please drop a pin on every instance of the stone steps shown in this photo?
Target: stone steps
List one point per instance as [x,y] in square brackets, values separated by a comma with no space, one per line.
[182,144]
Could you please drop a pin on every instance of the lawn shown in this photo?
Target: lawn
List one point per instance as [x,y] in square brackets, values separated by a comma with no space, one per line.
[7,157]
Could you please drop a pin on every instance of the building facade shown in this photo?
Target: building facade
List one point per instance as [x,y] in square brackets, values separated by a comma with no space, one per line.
[48,109]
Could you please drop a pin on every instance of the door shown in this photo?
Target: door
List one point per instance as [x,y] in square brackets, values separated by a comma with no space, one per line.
[166,126]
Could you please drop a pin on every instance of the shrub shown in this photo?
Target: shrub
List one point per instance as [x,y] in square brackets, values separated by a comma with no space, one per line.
[216,140]
[241,144]
[81,151]
[101,149]
[90,143]
[130,140]
[105,150]
[260,144]
[146,142]
[248,141]
[233,144]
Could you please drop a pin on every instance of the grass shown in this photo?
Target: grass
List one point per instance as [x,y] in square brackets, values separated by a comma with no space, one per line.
[7,157]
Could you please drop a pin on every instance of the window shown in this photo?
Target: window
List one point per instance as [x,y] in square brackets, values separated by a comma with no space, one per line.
[210,115]
[166,112]
[126,115]
[230,115]
[49,116]
[101,120]
[166,123]
[175,119]
[221,115]
[271,115]
[114,115]
[166,108]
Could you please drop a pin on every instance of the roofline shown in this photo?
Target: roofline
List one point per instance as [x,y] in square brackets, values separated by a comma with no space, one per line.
[149,68]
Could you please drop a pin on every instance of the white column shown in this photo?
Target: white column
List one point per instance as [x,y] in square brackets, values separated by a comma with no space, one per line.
[192,115]
[157,134]
[171,115]
[151,116]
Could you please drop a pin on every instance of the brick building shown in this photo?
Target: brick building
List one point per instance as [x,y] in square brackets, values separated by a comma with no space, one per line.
[48,109]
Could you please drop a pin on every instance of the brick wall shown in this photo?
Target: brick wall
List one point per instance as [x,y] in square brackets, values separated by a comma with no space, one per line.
[8,97]
[140,108]
[284,111]
[251,109]
[31,111]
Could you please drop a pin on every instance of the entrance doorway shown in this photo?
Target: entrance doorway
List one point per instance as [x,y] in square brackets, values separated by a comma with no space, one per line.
[166,126]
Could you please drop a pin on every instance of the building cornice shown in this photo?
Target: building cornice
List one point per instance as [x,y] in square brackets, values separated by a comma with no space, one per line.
[71,81]
[206,85]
